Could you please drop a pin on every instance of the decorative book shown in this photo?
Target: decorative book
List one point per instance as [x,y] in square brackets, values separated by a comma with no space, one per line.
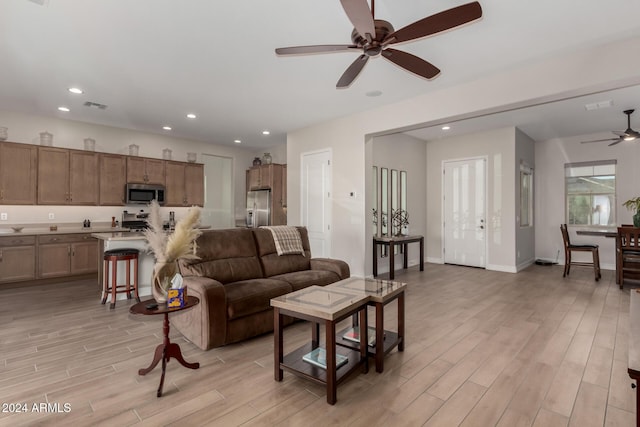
[318,357]
[353,334]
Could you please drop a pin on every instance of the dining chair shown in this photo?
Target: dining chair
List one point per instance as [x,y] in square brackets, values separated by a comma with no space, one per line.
[628,254]
[569,248]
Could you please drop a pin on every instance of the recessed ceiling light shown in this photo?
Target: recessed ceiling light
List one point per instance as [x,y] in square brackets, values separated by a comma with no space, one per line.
[76,90]
[237,141]
[191,116]
[446,127]
[166,127]
[374,93]
[265,132]
[65,109]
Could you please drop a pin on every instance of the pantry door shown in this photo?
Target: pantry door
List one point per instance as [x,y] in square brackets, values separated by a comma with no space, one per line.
[464,220]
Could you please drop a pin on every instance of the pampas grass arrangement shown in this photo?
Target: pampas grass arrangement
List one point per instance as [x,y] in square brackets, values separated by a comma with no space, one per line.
[179,244]
[168,248]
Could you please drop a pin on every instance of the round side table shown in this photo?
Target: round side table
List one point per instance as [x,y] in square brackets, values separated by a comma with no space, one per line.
[167,349]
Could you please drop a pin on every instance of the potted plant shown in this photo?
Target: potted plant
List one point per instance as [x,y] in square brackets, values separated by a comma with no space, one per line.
[634,205]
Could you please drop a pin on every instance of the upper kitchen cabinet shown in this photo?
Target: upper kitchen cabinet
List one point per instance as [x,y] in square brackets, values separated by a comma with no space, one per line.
[184,184]
[141,170]
[113,168]
[67,177]
[18,173]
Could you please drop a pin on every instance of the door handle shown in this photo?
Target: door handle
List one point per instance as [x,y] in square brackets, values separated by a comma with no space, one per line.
[482,227]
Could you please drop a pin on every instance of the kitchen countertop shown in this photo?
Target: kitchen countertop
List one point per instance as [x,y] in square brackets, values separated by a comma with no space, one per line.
[35,231]
[119,236]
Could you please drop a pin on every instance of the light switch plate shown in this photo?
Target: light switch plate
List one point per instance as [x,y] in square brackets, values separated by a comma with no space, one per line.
[52,216]
[4,216]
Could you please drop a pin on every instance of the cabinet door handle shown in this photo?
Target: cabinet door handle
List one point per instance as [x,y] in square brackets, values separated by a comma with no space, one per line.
[0,256]
[55,239]
[18,241]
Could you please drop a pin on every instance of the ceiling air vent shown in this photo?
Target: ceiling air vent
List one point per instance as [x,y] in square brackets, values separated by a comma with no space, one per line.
[95,104]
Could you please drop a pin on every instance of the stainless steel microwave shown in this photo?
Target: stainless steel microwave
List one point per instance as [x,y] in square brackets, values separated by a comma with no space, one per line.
[142,194]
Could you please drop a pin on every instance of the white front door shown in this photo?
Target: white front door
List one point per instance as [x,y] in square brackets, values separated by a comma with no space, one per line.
[464,220]
[316,193]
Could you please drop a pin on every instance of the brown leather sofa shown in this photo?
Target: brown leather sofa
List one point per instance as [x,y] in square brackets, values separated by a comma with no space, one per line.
[237,274]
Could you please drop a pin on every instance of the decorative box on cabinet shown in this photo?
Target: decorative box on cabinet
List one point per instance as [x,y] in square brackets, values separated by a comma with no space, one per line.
[18,173]
[17,258]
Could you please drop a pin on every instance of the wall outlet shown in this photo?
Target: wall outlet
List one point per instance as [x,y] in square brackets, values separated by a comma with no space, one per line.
[52,215]
[4,216]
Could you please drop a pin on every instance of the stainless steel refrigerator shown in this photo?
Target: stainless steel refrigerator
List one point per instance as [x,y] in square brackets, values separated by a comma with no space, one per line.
[258,208]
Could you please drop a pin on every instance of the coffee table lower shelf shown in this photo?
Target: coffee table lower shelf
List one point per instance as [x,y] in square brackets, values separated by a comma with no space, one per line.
[391,340]
[292,362]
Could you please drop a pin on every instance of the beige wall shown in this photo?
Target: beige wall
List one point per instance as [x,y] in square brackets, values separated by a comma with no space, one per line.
[548,80]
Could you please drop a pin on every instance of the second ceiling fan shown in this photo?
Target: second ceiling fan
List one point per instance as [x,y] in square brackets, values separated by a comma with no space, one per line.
[373,36]
[627,135]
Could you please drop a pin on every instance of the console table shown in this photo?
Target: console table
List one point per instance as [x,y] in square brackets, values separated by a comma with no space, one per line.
[392,242]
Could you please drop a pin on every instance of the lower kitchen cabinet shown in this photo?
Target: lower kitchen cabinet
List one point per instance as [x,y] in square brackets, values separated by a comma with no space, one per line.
[17,258]
[66,255]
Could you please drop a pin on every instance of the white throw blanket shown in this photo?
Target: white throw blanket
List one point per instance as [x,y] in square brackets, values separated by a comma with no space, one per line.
[287,239]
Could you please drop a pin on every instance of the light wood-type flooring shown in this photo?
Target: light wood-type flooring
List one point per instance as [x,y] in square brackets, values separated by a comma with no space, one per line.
[482,349]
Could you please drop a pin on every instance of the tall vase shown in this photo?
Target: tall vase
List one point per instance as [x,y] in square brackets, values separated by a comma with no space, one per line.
[636,220]
[163,272]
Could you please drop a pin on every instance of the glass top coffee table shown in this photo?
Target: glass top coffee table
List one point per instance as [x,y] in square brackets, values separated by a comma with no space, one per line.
[319,304]
[379,293]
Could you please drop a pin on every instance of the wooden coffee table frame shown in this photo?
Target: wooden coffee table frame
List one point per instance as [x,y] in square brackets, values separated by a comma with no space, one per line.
[292,362]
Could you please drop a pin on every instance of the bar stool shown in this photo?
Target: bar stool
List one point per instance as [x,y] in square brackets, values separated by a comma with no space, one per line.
[112,257]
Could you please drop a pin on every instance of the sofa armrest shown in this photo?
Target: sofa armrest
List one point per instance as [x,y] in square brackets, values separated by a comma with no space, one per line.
[205,325]
[339,267]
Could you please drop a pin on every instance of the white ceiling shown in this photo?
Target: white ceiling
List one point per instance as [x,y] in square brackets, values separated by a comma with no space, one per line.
[153,61]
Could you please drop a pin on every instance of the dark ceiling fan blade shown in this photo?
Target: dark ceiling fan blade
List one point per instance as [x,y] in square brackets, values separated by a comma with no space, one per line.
[599,140]
[620,134]
[322,48]
[436,23]
[411,63]
[352,72]
[617,141]
[360,16]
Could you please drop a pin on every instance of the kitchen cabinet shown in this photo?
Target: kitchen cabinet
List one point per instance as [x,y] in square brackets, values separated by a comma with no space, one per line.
[66,255]
[271,177]
[18,173]
[113,168]
[141,170]
[17,258]
[67,177]
[185,184]
[259,177]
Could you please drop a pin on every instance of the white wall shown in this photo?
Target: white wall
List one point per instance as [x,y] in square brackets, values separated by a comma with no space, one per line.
[498,146]
[403,153]
[525,236]
[551,157]
[25,128]
[552,79]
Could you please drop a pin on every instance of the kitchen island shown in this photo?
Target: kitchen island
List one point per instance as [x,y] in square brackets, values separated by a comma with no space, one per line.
[131,240]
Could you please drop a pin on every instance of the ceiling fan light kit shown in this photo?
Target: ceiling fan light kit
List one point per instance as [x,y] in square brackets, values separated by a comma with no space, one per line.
[373,37]
[627,135]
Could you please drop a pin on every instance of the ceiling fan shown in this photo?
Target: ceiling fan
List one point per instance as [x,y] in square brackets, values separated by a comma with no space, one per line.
[373,36]
[627,135]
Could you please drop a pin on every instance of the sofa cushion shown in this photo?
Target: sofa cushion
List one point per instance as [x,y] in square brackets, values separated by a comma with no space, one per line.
[253,296]
[225,255]
[272,263]
[302,279]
